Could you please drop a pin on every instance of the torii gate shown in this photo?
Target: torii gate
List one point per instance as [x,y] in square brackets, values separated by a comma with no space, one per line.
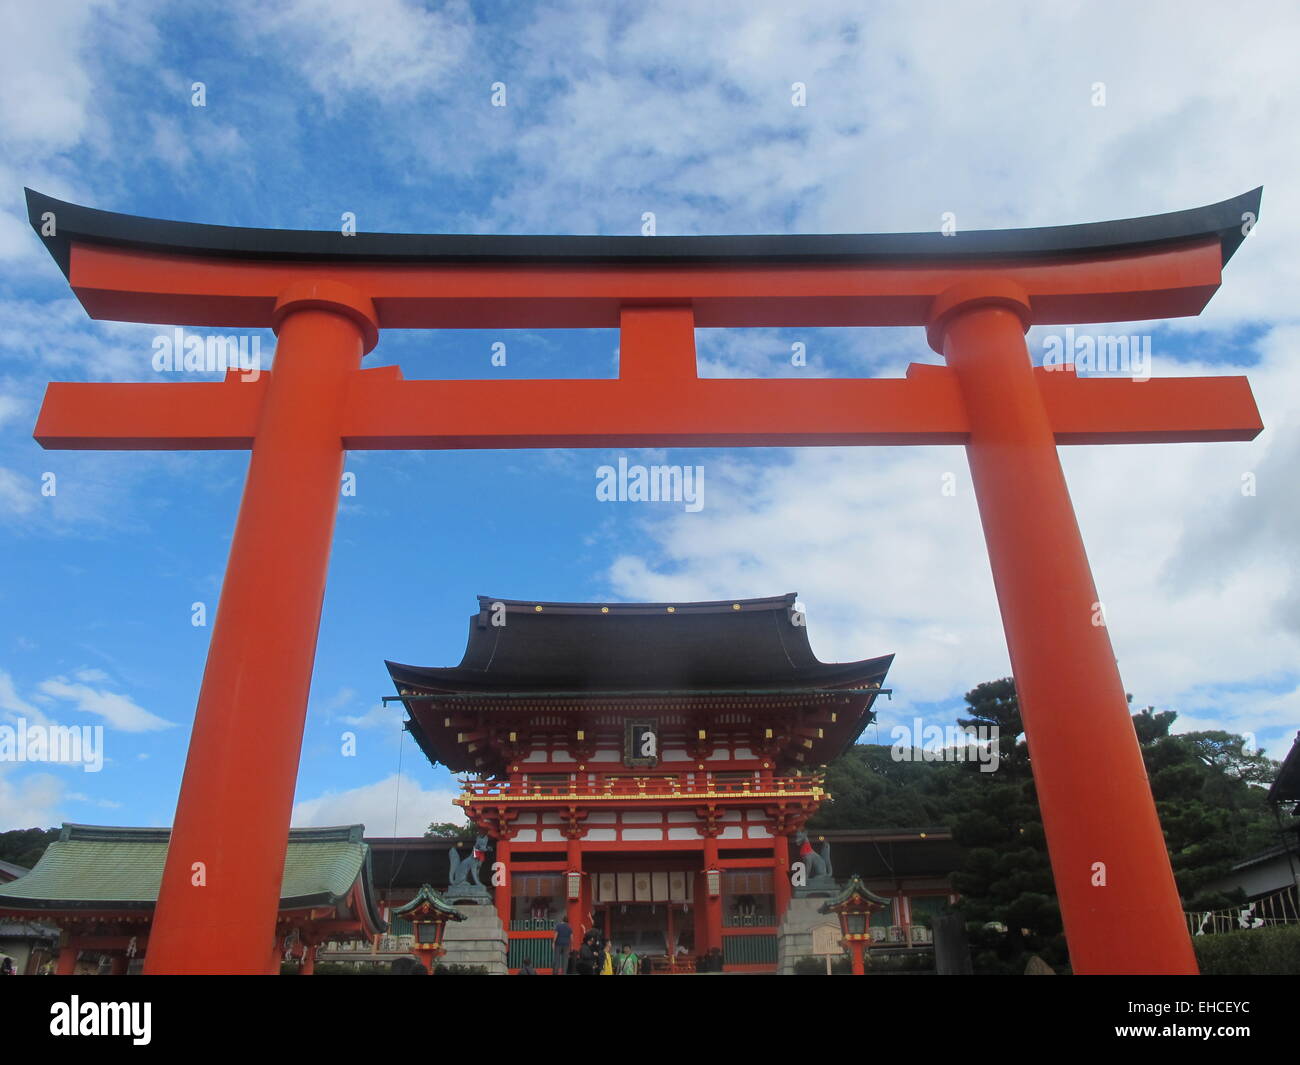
[327,296]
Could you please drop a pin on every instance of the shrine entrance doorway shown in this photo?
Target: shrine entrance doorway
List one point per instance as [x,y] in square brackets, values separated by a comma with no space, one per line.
[643,926]
[661,932]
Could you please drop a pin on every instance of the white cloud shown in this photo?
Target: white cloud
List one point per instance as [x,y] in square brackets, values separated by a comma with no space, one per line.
[374,805]
[18,495]
[14,705]
[119,711]
[335,702]
[386,48]
[1201,583]
[379,716]
[10,408]
[48,91]
[104,804]
[32,800]
[683,111]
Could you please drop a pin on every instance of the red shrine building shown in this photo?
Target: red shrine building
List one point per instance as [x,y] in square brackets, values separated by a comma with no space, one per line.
[645,768]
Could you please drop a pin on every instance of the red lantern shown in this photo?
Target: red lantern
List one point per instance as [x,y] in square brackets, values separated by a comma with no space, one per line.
[854,907]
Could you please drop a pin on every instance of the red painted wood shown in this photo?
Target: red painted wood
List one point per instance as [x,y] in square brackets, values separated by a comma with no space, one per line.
[1118,898]
[1141,285]
[232,819]
[384,412]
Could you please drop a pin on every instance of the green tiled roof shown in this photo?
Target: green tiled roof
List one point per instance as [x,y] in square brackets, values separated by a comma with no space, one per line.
[427,895]
[93,867]
[855,886]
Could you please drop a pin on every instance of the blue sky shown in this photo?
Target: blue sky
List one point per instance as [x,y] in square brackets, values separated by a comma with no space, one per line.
[612,110]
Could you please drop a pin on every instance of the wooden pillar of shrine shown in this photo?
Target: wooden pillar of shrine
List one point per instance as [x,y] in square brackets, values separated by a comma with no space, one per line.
[1119,901]
[225,861]
[574,912]
[501,891]
[781,889]
[712,904]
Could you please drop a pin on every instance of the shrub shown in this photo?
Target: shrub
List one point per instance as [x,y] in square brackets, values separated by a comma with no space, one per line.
[1254,952]
[460,970]
[814,966]
[920,961]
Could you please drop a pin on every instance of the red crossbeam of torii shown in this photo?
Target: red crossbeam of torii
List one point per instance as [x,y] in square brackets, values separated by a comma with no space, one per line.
[328,296]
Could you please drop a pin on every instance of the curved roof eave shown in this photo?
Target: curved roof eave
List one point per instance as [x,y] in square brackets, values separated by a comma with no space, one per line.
[1228,221]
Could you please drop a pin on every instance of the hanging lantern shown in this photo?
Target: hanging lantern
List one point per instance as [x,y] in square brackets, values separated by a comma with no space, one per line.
[573,883]
[713,882]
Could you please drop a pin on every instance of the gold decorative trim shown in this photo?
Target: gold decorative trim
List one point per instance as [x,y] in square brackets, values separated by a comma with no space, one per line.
[573,796]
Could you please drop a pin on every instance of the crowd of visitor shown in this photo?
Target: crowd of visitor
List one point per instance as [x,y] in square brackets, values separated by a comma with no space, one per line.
[594,957]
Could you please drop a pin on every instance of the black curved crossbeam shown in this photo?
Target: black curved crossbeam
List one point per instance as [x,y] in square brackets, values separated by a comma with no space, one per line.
[1227,221]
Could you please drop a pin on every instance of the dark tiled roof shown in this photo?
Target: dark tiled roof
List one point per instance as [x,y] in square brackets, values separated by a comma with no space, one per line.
[1287,785]
[27,930]
[729,645]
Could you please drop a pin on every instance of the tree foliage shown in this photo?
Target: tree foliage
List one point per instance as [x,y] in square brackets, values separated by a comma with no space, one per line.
[24,846]
[1209,789]
[450,830]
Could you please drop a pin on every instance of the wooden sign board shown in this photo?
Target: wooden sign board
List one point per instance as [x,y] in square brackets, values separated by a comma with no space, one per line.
[826,943]
[826,940]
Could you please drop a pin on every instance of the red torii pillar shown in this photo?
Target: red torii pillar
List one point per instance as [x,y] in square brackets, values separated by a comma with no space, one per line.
[278,561]
[975,292]
[1076,717]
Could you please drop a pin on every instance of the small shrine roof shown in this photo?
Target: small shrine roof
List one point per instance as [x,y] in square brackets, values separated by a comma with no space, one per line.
[428,896]
[855,886]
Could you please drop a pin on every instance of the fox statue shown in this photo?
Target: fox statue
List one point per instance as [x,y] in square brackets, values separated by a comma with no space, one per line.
[468,867]
[815,863]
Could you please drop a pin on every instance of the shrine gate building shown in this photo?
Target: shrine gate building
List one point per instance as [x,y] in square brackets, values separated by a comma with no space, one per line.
[642,767]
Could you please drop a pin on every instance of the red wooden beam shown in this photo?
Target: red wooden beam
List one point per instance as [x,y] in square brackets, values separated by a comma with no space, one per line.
[178,416]
[1107,410]
[121,284]
[385,412]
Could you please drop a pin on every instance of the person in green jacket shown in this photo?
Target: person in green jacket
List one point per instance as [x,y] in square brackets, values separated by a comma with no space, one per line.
[627,963]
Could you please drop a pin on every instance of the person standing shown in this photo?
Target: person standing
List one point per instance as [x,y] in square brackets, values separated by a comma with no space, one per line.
[589,955]
[563,942]
[628,963]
